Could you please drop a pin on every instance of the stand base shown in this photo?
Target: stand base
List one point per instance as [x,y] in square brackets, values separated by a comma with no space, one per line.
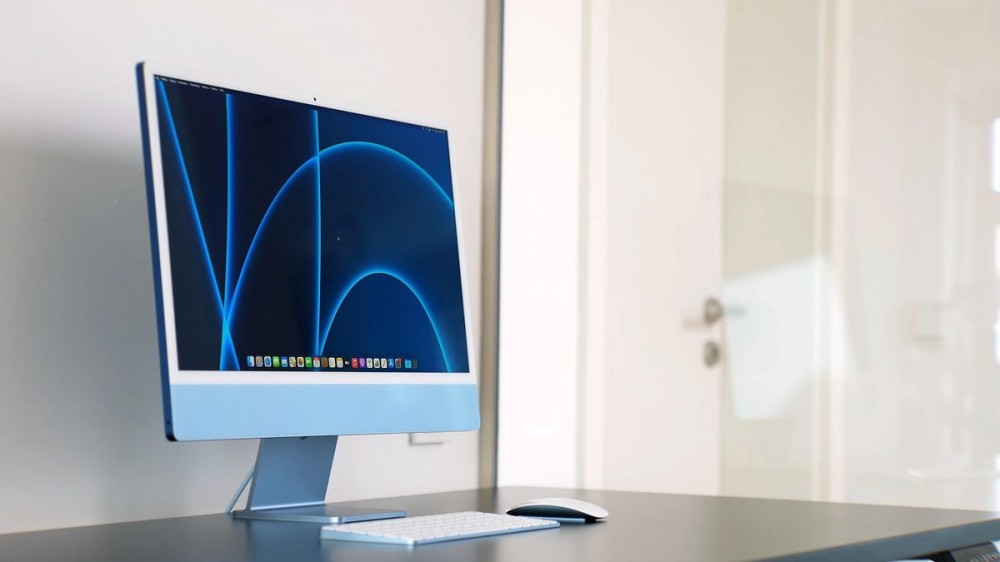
[290,480]
[325,514]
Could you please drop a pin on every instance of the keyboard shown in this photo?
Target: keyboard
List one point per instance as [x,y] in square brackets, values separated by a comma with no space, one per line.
[428,529]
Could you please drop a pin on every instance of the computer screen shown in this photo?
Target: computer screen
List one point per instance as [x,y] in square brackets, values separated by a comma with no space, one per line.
[308,265]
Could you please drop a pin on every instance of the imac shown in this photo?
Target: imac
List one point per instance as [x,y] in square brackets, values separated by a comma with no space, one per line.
[309,282]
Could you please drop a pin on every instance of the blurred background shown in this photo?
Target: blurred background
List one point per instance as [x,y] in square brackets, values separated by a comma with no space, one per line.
[748,247]
[782,260]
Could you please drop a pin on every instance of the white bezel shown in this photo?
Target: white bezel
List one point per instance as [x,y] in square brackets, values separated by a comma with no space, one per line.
[176,376]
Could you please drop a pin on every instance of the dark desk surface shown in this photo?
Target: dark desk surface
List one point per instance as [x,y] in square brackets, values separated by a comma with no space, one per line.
[641,527]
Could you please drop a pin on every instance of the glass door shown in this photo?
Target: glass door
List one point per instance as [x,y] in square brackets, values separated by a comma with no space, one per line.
[861,250]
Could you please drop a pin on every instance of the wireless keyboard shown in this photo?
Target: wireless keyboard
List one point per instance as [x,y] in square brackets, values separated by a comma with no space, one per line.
[434,528]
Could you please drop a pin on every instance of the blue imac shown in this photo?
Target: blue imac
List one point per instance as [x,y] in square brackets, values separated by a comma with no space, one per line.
[308,275]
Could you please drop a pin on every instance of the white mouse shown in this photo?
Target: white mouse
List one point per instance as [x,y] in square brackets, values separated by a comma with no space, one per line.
[560,509]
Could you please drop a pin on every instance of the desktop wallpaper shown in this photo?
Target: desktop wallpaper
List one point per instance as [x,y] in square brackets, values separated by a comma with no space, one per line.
[307,238]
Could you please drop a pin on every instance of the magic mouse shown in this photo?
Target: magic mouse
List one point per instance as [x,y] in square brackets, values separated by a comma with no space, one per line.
[561,509]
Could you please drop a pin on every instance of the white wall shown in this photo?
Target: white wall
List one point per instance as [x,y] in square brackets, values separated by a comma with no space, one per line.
[81,437]
[539,242]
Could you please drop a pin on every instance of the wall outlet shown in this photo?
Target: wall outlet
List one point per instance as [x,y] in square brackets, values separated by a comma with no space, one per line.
[429,438]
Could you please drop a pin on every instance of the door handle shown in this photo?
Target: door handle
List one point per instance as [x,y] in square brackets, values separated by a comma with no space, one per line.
[712,311]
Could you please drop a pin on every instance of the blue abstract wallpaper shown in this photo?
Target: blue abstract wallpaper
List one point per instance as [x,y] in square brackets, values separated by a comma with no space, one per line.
[302,235]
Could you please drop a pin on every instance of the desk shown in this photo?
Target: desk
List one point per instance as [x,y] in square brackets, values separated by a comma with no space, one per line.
[641,527]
